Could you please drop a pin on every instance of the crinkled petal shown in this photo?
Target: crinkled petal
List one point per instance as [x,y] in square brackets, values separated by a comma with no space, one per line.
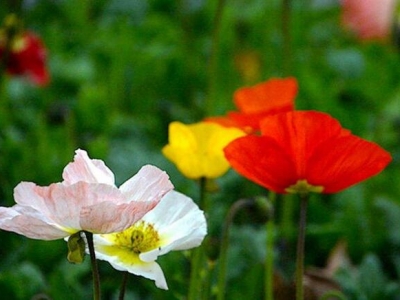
[64,205]
[89,170]
[149,184]
[29,226]
[108,217]
[49,204]
[29,194]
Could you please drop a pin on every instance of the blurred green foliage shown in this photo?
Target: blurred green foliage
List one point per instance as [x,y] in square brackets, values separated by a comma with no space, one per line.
[122,70]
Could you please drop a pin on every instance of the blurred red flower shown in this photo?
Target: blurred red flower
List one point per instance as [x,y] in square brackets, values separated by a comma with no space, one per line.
[26,56]
[256,102]
[369,19]
[305,151]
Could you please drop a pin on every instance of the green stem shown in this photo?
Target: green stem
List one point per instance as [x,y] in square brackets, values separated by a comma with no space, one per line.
[287,39]
[223,255]
[196,278]
[287,230]
[287,226]
[203,204]
[269,251]
[300,246]
[212,65]
[95,270]
[208,281]
[123,286]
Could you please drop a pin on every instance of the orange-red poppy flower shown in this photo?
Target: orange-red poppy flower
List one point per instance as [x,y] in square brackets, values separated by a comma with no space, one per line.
[26,56]
[256,102]
[369,19]
[305,151]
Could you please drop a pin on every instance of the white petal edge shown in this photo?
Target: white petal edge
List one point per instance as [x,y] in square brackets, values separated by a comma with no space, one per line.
[150,270]
[179,222]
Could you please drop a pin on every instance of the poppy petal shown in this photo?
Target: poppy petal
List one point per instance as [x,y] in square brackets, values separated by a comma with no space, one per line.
[149,184]
[301,132]
[263,161]
[343,162]
[274,95]
[100,218]
[196,149]
[29,226]
[85,169]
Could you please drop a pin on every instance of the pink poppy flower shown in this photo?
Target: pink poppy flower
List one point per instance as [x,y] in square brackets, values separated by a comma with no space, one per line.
[369,19]
[86,200]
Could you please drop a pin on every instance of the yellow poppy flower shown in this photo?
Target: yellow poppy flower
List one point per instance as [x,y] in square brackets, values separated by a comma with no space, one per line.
[197,149]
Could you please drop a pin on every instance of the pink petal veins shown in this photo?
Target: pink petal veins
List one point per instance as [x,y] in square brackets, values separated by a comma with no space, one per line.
[29,226]
[101,218]
[149,184]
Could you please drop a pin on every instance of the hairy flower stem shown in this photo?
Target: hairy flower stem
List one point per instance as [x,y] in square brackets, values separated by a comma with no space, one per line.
[269,251]
[197,259]
[300,246]
[223,253]
[122,290]
[95,270]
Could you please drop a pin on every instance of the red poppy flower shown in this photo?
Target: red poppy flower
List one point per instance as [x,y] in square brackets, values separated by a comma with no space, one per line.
[27,57]
[305,151]
[256,102]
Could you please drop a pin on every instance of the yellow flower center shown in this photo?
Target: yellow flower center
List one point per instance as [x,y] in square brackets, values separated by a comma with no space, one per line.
[303,187]
[139,238]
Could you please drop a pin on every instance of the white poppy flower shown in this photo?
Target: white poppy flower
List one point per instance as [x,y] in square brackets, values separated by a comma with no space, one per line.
[176,223]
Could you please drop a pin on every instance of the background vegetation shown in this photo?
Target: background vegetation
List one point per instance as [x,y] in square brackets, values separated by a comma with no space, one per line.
[123,70]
